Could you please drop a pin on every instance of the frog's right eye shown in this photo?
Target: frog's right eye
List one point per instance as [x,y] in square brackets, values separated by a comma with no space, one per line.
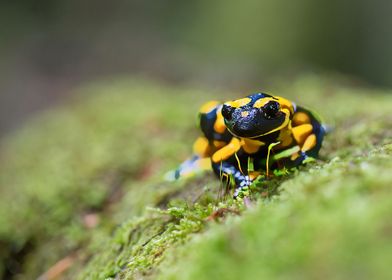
[227,111]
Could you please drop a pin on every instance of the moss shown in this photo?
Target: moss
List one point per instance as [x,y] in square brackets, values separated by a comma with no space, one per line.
[85,161]
[331,222]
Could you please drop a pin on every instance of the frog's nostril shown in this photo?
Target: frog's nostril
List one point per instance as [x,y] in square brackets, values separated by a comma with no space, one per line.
[227,111]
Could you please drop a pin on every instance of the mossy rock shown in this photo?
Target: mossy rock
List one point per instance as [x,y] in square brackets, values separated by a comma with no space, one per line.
[82,195]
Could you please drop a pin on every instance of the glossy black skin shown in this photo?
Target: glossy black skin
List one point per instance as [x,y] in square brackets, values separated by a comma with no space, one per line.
[258,121]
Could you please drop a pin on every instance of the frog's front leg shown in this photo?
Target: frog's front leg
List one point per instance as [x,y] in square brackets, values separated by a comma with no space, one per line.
[226,163]
[228,170]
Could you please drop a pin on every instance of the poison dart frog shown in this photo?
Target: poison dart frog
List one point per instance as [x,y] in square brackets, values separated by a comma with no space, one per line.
[243,138]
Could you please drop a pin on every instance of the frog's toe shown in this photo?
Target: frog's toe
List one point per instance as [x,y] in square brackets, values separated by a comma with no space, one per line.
[243,189]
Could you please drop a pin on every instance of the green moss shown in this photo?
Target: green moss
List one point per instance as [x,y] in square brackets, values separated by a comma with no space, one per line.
[104,153]
[331,222]
[83,158]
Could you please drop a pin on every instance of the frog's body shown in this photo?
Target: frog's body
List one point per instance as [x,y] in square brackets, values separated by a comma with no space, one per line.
[252,130]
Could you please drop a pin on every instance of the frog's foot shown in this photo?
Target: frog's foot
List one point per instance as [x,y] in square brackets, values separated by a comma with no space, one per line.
[303,158]
[243,189]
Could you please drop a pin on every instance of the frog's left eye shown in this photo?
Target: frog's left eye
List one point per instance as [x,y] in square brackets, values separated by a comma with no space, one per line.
[271,109]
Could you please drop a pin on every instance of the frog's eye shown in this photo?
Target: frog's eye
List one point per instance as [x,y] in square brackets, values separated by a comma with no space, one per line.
[227,111]
[271,109]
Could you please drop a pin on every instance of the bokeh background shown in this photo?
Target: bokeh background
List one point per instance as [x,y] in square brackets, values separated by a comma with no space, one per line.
[47,48]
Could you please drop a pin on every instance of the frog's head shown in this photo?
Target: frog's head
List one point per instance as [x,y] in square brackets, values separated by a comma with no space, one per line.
[257,115]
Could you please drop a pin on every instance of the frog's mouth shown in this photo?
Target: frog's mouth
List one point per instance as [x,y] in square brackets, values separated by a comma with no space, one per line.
[253,124]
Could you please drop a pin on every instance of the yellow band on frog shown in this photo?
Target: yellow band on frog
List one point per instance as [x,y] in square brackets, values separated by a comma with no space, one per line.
[239,102]
[208,107]
[227,151]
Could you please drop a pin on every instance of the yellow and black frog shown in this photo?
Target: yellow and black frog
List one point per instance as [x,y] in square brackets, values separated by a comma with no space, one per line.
[243,138]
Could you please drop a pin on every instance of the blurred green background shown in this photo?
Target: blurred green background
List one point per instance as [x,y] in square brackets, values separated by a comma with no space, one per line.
[49,47]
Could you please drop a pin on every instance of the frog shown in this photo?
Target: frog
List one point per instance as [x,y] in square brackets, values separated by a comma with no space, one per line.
[243,138]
